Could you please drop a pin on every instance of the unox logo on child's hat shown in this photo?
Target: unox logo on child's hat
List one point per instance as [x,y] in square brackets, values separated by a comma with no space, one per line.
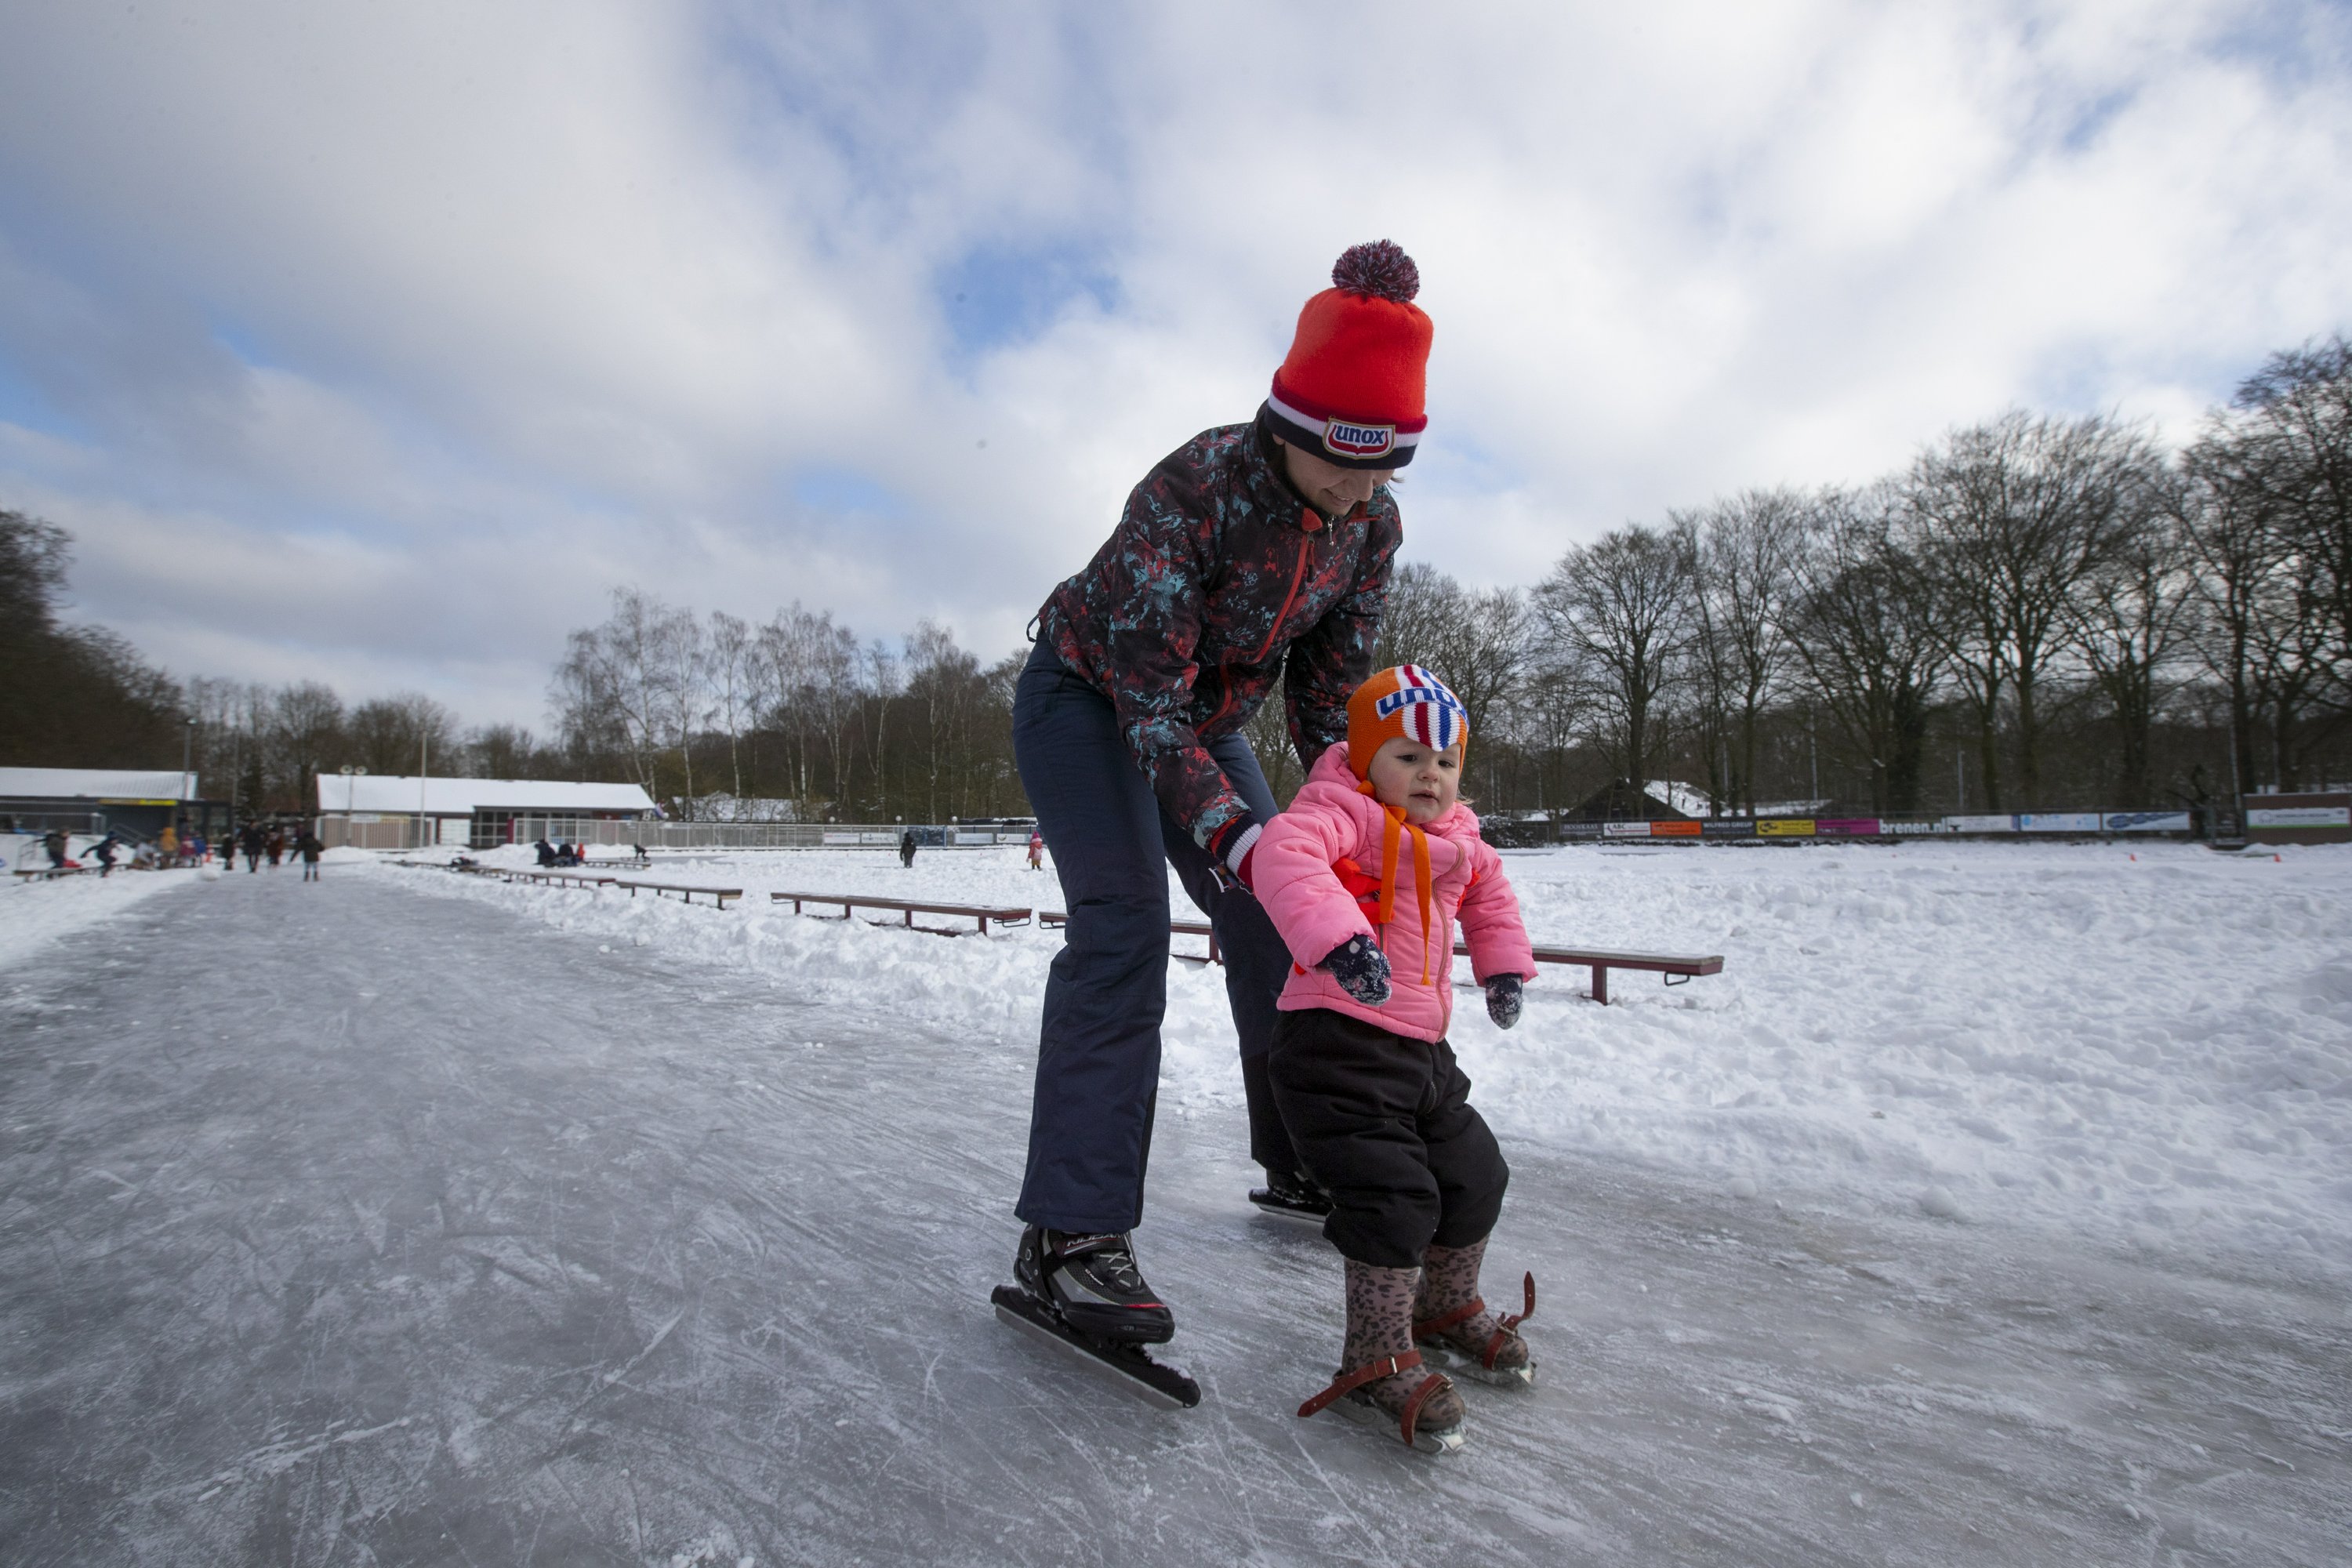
[1351,390]
[1402,700]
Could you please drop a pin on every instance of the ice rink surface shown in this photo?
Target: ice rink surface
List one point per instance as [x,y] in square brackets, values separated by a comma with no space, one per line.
[399,1220]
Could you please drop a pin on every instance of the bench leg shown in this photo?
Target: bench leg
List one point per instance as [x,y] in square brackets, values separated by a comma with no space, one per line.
[1601,983]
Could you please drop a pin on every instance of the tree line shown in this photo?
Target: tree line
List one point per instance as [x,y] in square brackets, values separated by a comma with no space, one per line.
[2036,612]
[793,719]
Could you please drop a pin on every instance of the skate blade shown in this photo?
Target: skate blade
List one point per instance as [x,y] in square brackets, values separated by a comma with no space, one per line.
[1300,1217]
[1364,1413]
[1444,1358]
[1126,1366]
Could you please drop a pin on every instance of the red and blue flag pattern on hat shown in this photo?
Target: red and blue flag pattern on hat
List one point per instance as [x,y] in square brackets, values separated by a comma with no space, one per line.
[1428,711]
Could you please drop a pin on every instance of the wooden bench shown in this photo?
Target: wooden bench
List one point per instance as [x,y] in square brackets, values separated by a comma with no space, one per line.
[563,878]
[1008,915]
[1677,969]
[51,873]
[1601,962]
[687,890]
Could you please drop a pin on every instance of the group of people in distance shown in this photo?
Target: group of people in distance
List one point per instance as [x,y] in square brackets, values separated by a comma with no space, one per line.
[564,854]
[173,847]
[1257,553]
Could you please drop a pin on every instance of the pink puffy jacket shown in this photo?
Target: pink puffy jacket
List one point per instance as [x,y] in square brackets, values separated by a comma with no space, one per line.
[1293,876]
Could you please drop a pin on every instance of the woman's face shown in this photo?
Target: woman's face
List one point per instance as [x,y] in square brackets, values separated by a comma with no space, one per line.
[1335,491]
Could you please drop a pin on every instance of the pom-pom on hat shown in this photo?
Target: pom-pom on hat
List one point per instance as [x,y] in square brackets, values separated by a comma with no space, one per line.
[1351,390]
[1403,700]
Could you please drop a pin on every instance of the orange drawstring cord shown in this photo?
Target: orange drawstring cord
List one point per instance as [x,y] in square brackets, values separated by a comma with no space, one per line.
[1395,828]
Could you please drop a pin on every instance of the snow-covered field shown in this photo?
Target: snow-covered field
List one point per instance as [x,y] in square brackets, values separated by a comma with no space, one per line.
[2149,1047]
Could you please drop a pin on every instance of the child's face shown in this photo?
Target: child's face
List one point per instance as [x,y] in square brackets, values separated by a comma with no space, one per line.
[1424,782]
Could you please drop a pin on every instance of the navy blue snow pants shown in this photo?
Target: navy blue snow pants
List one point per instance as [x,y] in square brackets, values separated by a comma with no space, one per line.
[1098,1054]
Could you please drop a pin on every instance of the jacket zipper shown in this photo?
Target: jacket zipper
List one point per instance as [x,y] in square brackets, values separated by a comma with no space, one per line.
[1297,576]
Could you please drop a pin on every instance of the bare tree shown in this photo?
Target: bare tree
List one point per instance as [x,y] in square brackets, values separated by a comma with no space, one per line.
[2294,425]
[733,657]
[2008,519]
[391,734]
[2265,632]
[1740,557]
[305,733]
[1862,626]
[2131,620]
[1616,613]
[609,687]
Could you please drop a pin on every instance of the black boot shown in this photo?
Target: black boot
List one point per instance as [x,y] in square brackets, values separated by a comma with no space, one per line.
[1092,1282]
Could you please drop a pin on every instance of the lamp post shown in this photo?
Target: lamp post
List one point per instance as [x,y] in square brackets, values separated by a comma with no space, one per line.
[351,777]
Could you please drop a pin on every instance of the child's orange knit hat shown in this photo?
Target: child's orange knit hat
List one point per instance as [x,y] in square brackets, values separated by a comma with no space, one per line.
[1403,700]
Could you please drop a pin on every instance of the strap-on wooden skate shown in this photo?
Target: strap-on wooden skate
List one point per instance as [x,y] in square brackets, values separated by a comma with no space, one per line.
[1372,1371]
[1428,1328]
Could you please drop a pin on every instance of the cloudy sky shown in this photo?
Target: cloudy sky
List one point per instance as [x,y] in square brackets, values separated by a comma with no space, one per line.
[378,343]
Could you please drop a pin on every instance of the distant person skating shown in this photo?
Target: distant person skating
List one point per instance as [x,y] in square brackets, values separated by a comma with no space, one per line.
[907,850]
[1364,876]
[1036,850]
[104,853]
[276,844]
[55,843]
[310,848]
[1254,553]
[252,840]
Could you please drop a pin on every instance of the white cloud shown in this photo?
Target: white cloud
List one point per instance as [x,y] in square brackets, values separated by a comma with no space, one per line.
[386,340]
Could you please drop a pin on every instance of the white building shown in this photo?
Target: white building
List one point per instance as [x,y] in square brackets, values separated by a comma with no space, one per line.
[382,811]
[93,800]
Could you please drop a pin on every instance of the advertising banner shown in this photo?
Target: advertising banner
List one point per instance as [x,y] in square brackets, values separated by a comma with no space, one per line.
[1785,827]
[2145,821]
[1625,830]
[1727,827]
[1905,828]
[1674,830]
[1980,824]
[2059,822]
[2299,816]
[1846,827]
[1580,829]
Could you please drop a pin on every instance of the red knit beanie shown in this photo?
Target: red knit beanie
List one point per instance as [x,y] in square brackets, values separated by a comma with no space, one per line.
[1351,389]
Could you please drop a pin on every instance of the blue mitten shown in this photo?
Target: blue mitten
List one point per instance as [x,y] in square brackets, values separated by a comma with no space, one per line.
[1362,969]
[1502,1000]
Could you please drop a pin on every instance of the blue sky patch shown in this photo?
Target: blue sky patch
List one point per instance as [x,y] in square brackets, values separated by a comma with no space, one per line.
[996,295]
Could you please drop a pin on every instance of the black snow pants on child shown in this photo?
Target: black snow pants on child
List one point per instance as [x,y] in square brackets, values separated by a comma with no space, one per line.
[1384,1123]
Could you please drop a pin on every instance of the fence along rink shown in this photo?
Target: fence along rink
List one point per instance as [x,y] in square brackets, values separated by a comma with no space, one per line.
[655,834]
[2075,824]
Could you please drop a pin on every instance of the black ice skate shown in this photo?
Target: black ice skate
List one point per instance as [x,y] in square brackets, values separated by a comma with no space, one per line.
[1294,1196]
[1085,1294]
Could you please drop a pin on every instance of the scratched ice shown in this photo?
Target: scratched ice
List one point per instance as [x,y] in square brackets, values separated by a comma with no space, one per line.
[396,1220]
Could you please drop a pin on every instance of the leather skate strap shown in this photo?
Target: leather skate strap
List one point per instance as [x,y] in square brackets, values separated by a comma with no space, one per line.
[1444,1320]
[1429,1327]
[1503,1330]
[1372,1371]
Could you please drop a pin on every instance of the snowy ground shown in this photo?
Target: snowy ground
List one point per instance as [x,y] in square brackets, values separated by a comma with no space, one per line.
[409,1217]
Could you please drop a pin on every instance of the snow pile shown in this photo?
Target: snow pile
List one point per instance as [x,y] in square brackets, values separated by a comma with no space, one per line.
[34,913]
[2150,1045]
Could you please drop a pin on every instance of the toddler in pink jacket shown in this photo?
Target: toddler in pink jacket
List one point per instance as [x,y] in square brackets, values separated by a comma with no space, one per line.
[1365,876]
